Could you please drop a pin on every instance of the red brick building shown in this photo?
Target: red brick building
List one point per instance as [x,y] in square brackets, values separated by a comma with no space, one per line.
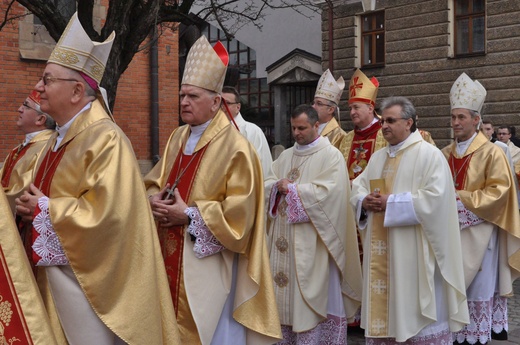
[26,48]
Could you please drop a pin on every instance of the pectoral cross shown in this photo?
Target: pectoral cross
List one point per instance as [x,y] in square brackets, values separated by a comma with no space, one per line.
[169,191]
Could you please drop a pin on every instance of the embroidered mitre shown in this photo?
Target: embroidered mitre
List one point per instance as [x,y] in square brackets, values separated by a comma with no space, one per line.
[362,89]
[35,97]
[329,88]
[206,65]
[76,51]
[467,94]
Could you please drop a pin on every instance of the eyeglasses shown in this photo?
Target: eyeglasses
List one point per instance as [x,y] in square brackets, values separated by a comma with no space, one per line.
[503,133]
[390,120]
[231,103]
[319,104]
[48,80]
[25,104]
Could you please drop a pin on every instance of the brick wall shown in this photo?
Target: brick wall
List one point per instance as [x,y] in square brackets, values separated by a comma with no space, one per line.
[132,106]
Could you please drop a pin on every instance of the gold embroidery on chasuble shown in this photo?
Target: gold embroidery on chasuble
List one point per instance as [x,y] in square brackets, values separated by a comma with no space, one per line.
[379,274]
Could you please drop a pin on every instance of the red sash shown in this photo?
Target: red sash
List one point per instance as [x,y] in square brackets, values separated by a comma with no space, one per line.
[43,182]
[15,329]
[172,239]
[11,161]
[459,167]
[363,145]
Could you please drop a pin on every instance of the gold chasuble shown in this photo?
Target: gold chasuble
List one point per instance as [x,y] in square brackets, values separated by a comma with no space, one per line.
[104,223]
[17,171]
[359,145]
[23,319]
[334,132]
[485,185]
[228,192]
[403,263]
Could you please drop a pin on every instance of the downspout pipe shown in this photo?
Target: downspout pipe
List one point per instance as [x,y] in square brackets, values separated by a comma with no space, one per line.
[331,35]
[154,98]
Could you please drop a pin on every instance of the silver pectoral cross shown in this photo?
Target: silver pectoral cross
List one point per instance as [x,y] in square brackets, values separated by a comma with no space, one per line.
[169,191]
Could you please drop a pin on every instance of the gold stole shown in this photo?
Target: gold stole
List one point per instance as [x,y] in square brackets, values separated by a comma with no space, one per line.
[378,278]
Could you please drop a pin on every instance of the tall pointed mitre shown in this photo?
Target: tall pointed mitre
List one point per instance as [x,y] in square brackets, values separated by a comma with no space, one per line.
[467,94]
[76,51]
[329,88]
[362,89]
[206,65]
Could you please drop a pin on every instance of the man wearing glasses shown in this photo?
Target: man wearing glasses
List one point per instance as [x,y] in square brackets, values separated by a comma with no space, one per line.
[413,285]
[37,126]
[252,132]
[504,135]
[94,240]
[326,100]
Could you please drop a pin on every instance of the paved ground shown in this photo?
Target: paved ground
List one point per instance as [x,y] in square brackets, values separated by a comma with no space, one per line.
[514,323]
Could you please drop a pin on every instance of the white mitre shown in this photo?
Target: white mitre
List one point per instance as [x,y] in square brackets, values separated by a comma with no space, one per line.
[467,94]
[75,50]
[329,88]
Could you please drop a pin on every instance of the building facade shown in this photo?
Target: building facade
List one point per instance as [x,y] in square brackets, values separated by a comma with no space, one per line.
[418,48]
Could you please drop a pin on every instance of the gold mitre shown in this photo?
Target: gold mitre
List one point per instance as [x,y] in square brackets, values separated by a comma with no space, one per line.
[329,88]
[206,65]
[76,51]
[467,94]
[362,89]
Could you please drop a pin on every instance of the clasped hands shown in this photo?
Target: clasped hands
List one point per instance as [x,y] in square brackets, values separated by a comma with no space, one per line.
[26,203]
[169,212]
[283,186]
[375,202]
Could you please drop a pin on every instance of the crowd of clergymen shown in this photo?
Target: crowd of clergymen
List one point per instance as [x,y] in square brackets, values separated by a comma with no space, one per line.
[376,227]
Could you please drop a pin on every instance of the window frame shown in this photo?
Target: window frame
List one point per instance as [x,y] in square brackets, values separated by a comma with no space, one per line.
[372,34]
[470,16]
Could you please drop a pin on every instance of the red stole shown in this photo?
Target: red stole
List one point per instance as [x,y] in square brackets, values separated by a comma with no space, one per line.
[172,239]
[43,181]
[363,145]
[459,167]
[11,161]
[16,328]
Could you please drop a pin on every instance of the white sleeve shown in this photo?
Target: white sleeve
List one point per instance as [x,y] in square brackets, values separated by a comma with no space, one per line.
[400,211]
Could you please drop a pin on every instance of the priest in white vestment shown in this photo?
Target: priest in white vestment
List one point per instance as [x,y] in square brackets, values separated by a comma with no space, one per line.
[413,285]
[312,237]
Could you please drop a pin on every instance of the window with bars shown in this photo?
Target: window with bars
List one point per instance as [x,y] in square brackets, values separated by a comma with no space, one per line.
[470,27]
[373,39]
[65,7]
[255,94]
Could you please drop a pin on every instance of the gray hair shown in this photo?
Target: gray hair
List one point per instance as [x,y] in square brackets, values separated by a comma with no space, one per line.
[407,108]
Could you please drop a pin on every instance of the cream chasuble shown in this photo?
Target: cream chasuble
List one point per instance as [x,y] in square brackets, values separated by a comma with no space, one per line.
[414,250]
[488,186]
[300,252]
[99,210]
[227,190]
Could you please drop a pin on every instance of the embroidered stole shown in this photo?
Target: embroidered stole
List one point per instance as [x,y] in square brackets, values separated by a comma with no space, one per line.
[14,327]
[43,181]
[459,168]
[172,243]
[13,158]
[363,145]
[379,274]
